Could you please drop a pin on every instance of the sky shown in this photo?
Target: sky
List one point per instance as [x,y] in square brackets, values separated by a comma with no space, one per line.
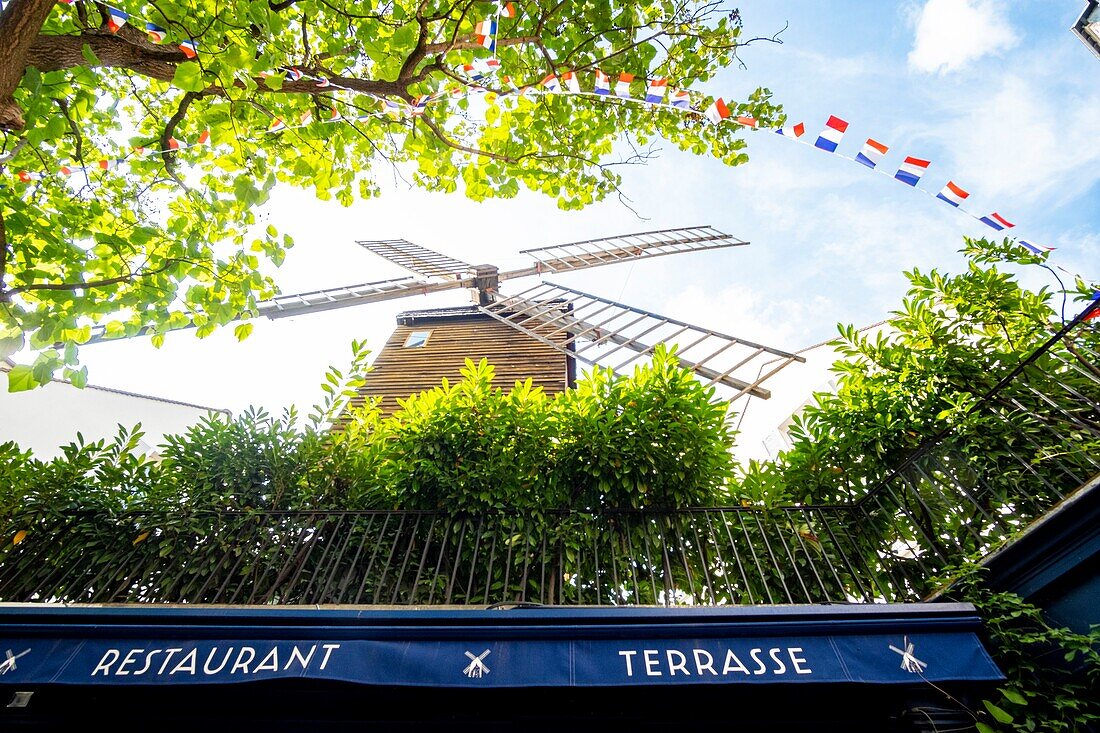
[1000,96]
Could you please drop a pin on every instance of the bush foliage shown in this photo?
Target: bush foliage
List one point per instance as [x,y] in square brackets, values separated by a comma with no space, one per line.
[655,438]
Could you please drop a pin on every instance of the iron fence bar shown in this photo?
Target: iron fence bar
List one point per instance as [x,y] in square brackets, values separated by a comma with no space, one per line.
[349,572]
[852,574]
[790,556]
[464,523]
[447,522]
[737,557]
[994,517]
[330,546]
[510,535]
[473,562]
[414,589]
[953,504]
[1080,422]
[775,563]
[756,560]
[225,582]
[702,558]
[824,555]
[631,560]
[489,571]
[542,571]
[646,524]
[716,541]
[374,556]
[1026,465]
[596,567]
[307,535]
[400,577]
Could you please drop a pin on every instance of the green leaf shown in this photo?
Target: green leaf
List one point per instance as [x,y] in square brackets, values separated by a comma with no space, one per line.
[998,713]
[985,728]
[1013,696]
[89,55]
[21,378]
[11,344]
[242,331]
[188,77]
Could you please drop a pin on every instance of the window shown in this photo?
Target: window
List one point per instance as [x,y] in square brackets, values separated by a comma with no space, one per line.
[417,339]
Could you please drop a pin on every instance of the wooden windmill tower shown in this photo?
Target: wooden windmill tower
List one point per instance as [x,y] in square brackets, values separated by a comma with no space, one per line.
[542,332]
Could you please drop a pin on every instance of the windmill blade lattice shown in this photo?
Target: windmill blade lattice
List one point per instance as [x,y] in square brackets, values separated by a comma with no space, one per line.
[284,306]
[596,330]
[416,259]
[623,248]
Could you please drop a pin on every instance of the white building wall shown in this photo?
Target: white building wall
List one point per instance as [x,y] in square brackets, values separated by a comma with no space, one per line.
[46,418]
[763,424]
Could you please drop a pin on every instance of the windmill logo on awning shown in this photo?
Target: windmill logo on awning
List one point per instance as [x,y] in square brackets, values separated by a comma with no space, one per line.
[477,667]
[8,665]
[909,662]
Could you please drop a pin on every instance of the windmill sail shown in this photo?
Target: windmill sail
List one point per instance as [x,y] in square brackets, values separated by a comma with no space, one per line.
[623,248]
[604,332]
[416,259]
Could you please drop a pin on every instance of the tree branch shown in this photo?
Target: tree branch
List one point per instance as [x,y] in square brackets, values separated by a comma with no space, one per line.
[98,283]
[459,146]
[14,151]
[19,26]
[169,155]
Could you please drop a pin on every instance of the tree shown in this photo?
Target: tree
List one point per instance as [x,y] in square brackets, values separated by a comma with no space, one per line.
[164,240]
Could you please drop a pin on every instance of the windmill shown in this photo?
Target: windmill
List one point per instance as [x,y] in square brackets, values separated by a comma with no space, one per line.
[540,332]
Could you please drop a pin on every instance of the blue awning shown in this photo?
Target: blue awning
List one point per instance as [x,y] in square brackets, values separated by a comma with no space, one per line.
[542,647]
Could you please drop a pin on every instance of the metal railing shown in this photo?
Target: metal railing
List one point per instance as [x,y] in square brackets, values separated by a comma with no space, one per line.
[1028,442]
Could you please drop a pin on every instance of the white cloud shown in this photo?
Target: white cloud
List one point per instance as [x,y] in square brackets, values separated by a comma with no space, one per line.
[952,33]
[1008,143]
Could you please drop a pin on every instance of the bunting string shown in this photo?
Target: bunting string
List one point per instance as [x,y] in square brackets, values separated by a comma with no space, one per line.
[657,94]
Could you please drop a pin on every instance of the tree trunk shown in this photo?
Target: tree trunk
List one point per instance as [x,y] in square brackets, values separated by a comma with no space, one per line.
[19,26]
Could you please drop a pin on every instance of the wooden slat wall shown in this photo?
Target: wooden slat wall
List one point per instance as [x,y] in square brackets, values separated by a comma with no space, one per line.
[399,372]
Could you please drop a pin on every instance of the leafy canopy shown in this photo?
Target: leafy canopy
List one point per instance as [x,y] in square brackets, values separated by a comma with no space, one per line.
[164,241]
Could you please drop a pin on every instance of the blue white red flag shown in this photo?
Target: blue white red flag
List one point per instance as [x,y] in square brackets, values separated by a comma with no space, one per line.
[492,65]
[508,10]
[323,82]
[746,121]
[190,48]
[489,42]
[572,83]
[551,83]
[681,98]
[473,72]
[603,83]
[1036,249]
[28,176]
[872,153]
[911,169]
[622,86]
[116,19]
[655,92]
[204,138]
[276,125]
[717,111]
[486,28]
[107,164]
[155,32]
[306,117]
[831,136]
[293,73]
[996,221]
[173,144]
[952,194]
[795,131]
